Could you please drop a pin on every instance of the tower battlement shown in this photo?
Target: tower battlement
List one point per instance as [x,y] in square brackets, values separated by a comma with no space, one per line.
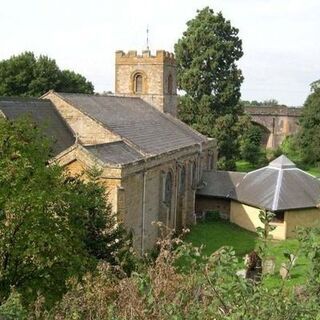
[150,77]
[161,56]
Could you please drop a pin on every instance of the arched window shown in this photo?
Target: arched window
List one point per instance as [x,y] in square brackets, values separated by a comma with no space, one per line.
[194,174]
[168,189]
[182,180]
[138,83]
[170,88]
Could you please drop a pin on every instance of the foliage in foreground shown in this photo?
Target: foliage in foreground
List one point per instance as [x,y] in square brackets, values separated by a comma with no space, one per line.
[203,287]
[52,227]
[208,288]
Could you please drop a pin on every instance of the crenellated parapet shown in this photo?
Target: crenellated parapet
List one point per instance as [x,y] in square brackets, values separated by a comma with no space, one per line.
[131,56]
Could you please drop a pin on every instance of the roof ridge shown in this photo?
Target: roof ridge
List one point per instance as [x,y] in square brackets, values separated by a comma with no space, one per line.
[282,162]
[111,95]
[130,143]
[277,190]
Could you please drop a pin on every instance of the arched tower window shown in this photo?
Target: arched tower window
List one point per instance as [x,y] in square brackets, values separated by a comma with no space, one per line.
[170,84]
[138,83]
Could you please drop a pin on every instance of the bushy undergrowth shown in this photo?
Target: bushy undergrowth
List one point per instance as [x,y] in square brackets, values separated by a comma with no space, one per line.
[162,289]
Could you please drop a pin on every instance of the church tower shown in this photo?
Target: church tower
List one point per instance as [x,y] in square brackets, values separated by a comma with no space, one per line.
[152,78]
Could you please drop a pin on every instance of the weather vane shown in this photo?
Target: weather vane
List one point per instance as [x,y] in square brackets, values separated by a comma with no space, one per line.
[147,37]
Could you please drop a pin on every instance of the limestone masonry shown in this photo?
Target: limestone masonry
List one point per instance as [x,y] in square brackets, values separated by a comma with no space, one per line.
[152,78]
[151,162]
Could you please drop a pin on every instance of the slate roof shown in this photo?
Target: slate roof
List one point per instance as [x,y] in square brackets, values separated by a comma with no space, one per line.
[219,183]
[149,130]
[44,113]
[279,186]
[115,153]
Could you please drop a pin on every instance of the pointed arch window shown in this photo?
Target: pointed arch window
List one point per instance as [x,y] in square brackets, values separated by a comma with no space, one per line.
[168,189]
[194,174]
[182,180]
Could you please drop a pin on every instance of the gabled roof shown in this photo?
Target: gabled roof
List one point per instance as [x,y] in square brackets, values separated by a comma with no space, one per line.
[115,153]
[219,183]
[44,113]
[148,130]
[279,186]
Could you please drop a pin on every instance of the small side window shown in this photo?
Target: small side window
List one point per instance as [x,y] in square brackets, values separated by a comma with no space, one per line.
[279,217]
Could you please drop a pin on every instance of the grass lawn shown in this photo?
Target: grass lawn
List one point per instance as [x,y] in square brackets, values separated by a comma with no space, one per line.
[315,171]
[215,234]
[245,166]
[299,272]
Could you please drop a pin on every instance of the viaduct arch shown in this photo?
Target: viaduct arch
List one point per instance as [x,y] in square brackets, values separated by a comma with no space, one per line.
[277,123]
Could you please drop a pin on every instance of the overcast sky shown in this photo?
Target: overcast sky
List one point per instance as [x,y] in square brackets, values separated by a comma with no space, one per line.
[280,37]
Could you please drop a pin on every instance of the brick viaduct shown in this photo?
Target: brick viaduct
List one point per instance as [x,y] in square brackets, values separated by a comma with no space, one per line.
[277,122]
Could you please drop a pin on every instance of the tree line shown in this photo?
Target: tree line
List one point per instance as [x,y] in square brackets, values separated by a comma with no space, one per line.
[28,75]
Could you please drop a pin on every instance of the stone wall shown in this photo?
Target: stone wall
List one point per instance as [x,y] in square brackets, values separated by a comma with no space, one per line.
[135,190]
[276,122]
[155,71]
[87,131]
[207,204]
[144,203]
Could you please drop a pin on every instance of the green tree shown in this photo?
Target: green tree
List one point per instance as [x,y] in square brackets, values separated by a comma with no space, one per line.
[52,227]
[74,82]
[104,238]
[250,145]
[206,70]
[309,134]
[265,103]
[27,75]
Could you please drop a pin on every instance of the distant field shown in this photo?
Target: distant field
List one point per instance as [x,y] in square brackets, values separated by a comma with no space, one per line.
[215,234]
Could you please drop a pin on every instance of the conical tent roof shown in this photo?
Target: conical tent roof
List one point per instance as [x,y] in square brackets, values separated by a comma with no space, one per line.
[278,186]
[282,162]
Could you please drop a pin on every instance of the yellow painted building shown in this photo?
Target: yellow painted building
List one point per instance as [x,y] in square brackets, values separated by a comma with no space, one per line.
[290,193]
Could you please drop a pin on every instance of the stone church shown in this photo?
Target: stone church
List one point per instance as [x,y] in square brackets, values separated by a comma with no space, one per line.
[151,162]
